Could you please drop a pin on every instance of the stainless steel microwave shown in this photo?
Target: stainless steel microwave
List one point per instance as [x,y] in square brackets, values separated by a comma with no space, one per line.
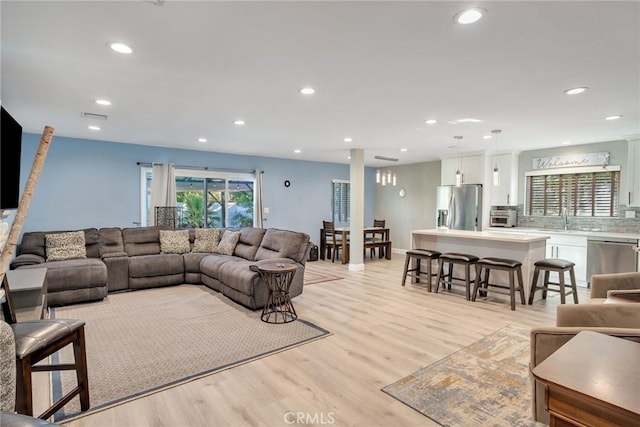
[503,218]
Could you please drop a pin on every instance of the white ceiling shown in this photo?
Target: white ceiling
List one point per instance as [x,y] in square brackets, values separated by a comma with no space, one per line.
[380,70]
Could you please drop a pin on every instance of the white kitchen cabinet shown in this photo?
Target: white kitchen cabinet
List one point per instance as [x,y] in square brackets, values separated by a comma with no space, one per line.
[570,248]
[504,194]
[632,198]
[472,168]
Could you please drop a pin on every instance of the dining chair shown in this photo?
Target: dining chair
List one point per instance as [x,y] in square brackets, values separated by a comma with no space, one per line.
[36,340]
[374,236]
[333,241]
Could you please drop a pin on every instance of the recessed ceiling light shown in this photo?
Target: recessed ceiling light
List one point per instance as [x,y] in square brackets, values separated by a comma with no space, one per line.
[238,122]
[103,102]
[348,157]
[120,47]
[202,139]
[404,150]
[307,91]
[347,139]
[94,127]
[565,142]
[487,137]
[469,120]
[469,16]
[297,151]
[615,117]
[575,90]
[431,121]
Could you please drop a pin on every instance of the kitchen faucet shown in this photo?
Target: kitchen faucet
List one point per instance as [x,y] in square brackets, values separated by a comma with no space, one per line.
[565,215]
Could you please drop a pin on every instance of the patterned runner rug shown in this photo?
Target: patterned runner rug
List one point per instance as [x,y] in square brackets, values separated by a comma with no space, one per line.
[145,341]
[484,384]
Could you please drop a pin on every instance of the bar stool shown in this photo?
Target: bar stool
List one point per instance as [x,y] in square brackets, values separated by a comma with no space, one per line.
[560,266]
[449,279]
[416,273]
[510,265]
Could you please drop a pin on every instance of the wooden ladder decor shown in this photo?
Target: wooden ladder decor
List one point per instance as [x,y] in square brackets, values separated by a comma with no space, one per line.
[25,201]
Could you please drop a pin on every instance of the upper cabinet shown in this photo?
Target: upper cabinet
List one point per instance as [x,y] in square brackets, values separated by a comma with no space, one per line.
[505,193]
[471,167]
[633,175]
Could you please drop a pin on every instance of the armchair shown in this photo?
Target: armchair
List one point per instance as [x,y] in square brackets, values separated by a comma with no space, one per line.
[618,320]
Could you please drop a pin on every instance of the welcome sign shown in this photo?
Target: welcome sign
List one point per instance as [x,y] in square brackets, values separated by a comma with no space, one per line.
[570,161]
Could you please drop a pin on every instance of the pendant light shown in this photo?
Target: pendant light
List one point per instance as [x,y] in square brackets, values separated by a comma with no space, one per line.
[496,171]
[458,171]
[377,176]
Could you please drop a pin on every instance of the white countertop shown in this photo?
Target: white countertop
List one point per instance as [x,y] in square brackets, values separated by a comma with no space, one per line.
[586,233]
[483,235]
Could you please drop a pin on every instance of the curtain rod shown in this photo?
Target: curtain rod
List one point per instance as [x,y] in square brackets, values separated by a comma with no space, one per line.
[205,168]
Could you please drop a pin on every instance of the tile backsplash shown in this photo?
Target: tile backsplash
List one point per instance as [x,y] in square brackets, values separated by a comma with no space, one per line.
[620,224]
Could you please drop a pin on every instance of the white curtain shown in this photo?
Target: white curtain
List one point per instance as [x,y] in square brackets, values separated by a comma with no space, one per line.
[257,194]
[163,188]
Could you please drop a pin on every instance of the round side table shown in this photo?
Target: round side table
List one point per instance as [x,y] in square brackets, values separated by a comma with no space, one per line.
[277,277]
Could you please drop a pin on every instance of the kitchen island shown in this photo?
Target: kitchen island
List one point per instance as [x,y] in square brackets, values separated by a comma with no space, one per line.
[521,247]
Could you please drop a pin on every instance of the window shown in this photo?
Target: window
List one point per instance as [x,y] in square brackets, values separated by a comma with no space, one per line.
[208,198]
[340,201]
[593,192]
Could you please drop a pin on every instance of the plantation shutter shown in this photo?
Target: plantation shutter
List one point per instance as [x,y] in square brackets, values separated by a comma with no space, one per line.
[583,194]
[341,201]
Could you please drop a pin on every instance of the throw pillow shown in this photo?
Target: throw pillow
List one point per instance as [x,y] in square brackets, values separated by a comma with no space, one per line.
[228,242]
[207,240]
[174,241]
[63,246]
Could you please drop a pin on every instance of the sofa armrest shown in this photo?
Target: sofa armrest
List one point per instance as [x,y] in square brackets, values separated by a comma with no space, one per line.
[113,255]
[601,283]
[633,295]
[599,315]
[26,259]
[545,341]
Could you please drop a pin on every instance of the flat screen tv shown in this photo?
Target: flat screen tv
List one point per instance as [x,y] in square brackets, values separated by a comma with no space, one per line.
[10,148]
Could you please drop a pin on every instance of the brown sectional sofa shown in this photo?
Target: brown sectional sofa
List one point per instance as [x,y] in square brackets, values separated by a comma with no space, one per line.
[131,258]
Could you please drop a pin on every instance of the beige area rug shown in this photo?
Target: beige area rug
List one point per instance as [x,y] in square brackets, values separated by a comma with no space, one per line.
[145,341]
[484,384]
[313,275]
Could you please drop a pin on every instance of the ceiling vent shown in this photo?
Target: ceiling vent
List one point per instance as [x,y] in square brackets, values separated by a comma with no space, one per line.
[389,159]
[94,116]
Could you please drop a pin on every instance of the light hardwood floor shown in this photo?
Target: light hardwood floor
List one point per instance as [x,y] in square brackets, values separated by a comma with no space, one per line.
[381,333]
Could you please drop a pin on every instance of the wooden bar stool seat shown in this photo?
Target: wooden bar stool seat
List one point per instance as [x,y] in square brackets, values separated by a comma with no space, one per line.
[560,266]
[509,265]
[416,273]
[448,279]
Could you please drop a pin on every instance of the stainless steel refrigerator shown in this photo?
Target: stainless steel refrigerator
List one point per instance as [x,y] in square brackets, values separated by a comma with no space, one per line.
[459,208]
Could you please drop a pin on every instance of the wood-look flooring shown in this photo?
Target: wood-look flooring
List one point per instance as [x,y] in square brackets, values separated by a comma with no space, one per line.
[381,333]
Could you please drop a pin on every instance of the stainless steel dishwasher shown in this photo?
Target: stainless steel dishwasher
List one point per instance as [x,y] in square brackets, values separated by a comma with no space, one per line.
[611,255]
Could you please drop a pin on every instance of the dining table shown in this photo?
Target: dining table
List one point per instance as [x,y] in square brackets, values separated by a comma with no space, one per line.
[379,237]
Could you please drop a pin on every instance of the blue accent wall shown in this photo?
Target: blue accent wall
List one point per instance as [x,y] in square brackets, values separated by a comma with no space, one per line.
[86,183]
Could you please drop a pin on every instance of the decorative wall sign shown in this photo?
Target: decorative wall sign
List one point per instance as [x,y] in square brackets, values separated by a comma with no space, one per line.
[571,161]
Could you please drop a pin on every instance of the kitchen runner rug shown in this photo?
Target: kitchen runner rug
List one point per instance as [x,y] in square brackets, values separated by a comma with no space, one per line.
[483,384]
[145,341]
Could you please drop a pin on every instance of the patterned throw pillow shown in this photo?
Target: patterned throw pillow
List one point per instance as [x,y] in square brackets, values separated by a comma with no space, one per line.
[207,240]
[174,241]
[228,242]
[62,246]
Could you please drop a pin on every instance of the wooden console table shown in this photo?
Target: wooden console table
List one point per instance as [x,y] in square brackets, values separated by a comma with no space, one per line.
[592,380]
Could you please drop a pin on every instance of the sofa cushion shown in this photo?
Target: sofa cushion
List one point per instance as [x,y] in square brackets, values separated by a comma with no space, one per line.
[228,242]
[239,276]
[210,265]
[34,242]
[63,246]
[74,274]
[192,261]
[207,240]
[174,241]
[142,240]
[249,242]
[155,265]
[283,244]
[110,240]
